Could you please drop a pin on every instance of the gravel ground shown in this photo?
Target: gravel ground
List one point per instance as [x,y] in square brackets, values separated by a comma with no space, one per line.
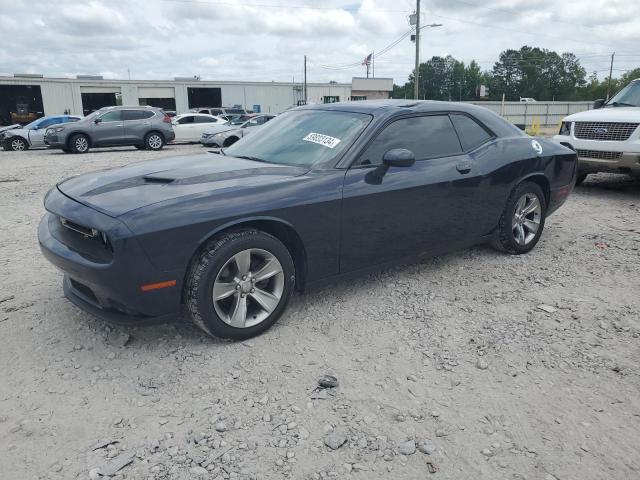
[470,365]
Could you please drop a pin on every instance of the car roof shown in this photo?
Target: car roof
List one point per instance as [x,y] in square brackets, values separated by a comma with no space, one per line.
[194,114]
[395,108]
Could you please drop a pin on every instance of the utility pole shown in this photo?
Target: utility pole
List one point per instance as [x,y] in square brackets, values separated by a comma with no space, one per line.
[416,74]
[305,79]
[610,73]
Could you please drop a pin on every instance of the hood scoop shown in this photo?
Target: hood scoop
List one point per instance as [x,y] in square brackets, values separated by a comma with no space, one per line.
[157,179]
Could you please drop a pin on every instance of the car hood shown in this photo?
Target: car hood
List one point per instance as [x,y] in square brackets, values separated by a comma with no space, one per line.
[608,114]
[10,127]
[121,190]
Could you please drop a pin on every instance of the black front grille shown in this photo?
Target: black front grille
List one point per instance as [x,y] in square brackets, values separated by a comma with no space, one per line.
[80,239]
[599,155]
[604,130]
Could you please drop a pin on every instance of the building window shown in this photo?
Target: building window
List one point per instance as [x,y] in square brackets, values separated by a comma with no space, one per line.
[356,98]
[331,99]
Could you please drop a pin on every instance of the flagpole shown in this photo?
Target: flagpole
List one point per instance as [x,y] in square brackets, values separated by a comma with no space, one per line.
[373,63]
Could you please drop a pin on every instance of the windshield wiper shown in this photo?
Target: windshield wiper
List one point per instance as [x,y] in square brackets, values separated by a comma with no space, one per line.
[622,104]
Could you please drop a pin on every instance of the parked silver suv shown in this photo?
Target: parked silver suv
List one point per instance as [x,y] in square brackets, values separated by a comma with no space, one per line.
[143,127]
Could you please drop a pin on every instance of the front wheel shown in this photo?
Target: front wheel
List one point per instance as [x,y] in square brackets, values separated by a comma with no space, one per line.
[522,221]
[79,143]
[154,141]
[240,284]
[17,144]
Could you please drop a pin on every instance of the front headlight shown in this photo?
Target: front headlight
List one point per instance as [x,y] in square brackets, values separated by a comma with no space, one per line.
[565,129]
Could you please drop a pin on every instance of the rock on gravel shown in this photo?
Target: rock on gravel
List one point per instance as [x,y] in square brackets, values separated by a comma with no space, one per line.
[407,448]
[335,440]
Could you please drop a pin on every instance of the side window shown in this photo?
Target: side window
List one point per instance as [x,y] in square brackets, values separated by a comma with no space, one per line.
[427,136]
[136,114]
[113,116]
[471,134]
[216,111]
[185,120]
[206,119]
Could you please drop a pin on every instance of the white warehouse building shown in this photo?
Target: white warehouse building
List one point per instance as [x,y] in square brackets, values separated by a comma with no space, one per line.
[24,97]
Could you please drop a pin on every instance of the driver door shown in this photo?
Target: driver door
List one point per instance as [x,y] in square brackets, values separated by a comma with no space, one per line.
[108,129]
[393,212]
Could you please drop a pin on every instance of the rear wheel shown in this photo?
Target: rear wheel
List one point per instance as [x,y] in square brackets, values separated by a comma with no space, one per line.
[17,144]
[79,143]
[522,221]
[154,141]
[240,284]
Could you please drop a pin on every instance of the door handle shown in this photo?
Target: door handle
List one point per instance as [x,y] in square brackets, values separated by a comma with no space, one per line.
[463,167]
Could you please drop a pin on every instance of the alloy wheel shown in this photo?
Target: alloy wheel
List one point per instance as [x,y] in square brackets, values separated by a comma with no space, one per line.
[17,145]
[526,218]
[155,141]
[248,288]
[81,144]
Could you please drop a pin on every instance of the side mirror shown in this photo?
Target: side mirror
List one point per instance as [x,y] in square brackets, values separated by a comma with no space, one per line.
[97,120]
[399,157]
[598,103]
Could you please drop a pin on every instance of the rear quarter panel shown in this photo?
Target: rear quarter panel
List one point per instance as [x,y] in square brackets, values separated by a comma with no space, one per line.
[506,162]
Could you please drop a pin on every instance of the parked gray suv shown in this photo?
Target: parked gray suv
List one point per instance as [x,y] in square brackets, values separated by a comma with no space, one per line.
[143,127]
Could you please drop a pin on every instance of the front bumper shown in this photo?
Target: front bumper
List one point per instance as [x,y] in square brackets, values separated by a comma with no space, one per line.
[210,142]
[107,286]
[604,156]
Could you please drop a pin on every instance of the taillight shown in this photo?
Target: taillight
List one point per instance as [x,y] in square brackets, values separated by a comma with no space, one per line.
[166,119]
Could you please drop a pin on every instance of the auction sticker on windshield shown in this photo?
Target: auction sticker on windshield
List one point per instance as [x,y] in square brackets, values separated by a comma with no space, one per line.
[321,139]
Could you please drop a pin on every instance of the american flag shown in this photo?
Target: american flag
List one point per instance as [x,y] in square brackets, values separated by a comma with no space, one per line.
[367,59]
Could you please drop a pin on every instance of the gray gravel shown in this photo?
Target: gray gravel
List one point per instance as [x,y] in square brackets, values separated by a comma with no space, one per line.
[455,350]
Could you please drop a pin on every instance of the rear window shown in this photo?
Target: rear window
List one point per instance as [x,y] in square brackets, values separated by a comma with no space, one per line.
[471,134]
[136,114]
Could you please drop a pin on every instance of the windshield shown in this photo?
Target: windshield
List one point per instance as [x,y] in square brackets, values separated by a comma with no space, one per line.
[302,137]
[629,96]
[35,123]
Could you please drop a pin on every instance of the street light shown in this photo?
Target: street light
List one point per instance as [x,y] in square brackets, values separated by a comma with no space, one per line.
[418,28]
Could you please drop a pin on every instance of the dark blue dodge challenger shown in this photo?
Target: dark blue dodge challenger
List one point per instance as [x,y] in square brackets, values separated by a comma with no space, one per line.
[319,192]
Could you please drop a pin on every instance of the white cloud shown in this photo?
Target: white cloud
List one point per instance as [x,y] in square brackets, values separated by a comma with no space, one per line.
[231,39]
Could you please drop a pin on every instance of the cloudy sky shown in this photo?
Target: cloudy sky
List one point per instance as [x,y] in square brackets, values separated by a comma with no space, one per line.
[266,39]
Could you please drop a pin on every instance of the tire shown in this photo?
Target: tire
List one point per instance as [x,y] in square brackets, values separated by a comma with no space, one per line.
[230,141]
[17,144]
[581,178]
[221,263]
[79,143]
[153,141]
[515,233]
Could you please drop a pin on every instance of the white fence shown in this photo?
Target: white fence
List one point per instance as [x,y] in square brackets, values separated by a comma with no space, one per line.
[547,113]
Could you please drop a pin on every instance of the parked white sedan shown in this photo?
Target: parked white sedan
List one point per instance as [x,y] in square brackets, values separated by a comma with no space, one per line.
[189,127]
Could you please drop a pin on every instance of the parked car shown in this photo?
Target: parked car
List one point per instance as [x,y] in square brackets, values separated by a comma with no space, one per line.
[228,137]
[32,135]
[527,100]
[216,111]
[189,127]
[607,138]
[320,192]
[142,127]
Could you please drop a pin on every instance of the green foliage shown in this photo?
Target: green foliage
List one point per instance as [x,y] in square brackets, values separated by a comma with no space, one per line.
[528,72]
